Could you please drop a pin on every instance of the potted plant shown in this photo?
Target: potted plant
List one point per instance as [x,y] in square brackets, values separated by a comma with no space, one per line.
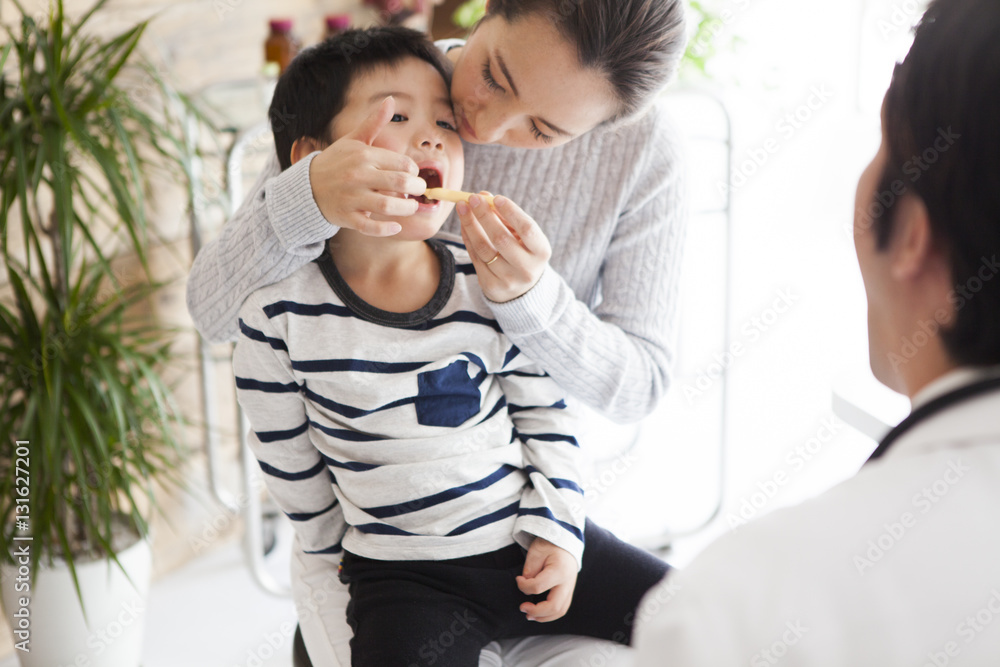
[88,421]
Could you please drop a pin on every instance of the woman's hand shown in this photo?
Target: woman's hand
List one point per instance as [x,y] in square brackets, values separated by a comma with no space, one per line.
[547,568]
[508,248]
[351,179]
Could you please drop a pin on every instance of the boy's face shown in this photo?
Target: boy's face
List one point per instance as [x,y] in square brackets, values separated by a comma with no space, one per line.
[422,128]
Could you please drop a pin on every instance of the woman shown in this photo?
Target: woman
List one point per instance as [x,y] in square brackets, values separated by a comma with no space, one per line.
[588,292]
[598,317]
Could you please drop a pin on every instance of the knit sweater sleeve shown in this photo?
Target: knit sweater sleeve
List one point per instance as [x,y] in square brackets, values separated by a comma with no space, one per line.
[617,357]
[277,230]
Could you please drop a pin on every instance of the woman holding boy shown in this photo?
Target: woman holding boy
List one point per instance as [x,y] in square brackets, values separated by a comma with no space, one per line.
[588,292]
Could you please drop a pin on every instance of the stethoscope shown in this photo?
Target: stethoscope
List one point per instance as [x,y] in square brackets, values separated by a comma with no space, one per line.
[931,408]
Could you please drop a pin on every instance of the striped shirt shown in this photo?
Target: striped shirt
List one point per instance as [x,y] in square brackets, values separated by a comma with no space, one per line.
[404,436]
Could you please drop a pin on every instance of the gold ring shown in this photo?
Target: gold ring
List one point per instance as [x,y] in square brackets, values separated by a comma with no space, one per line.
[495,258]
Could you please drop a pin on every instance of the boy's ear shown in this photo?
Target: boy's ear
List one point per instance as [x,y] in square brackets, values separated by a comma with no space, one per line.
[303,146]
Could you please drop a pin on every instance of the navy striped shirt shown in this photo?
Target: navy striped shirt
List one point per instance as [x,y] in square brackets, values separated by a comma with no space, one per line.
[404,436]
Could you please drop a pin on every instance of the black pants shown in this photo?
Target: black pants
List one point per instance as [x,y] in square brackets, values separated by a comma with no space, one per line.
[442,613]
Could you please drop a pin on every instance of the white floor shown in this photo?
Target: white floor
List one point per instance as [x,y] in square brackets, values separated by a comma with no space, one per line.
[212,614]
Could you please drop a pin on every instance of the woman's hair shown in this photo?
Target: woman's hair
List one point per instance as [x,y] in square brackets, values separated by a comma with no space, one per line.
[313,90]
[942,134]
[636,44]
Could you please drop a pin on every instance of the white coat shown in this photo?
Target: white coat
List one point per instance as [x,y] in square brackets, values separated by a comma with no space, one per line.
[899,565]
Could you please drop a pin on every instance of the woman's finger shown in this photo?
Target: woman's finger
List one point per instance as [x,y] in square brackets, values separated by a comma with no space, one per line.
[498,233]
[396,182]
[523,225]
[369,227]
[476,240]
[387,160]
[387,205]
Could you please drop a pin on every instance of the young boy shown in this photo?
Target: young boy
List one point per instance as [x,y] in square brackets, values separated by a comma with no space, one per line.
[396,425]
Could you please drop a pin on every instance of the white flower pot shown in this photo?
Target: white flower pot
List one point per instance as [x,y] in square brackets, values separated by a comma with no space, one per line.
[112,634]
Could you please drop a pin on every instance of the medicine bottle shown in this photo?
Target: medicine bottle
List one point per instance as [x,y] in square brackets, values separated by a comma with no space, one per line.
[281,45]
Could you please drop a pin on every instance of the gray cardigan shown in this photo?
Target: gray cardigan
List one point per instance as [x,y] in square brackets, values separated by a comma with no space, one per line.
[601,320]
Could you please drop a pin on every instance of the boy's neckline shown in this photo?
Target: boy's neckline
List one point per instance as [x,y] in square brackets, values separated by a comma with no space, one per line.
[367,311]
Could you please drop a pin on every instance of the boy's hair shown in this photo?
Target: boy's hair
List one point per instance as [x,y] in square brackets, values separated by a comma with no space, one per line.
[942,137]
[313,90]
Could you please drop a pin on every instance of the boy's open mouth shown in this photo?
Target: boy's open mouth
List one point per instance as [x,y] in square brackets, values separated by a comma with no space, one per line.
[433,178]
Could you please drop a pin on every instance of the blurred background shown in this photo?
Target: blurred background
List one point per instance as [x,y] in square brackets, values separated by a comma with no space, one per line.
[777,104]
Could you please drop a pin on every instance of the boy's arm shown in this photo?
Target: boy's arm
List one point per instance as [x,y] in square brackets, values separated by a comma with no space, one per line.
[551,517]
[552,503]
[294,470]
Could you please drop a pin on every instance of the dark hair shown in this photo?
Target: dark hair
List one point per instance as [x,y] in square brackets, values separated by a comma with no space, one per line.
[313,90]
[636,44]
[942,134]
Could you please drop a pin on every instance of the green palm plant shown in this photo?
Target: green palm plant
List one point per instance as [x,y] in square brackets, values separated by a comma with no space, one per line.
[79,375]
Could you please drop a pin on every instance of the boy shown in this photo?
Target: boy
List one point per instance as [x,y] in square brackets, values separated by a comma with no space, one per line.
[398,428]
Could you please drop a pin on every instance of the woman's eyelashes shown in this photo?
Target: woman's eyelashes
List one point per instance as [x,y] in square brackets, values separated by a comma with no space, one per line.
[491,83]
[539,134]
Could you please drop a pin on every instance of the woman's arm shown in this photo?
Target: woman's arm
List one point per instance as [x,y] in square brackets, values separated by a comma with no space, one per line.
[617,357]
[277,230]
[286,220]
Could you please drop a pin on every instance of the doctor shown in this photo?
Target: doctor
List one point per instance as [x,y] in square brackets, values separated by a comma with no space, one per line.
[899,565]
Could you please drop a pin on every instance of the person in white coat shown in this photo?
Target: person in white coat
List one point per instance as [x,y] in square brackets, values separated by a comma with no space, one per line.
[899,565]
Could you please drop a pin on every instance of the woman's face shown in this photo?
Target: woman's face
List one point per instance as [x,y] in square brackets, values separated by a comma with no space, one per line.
[520,84]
